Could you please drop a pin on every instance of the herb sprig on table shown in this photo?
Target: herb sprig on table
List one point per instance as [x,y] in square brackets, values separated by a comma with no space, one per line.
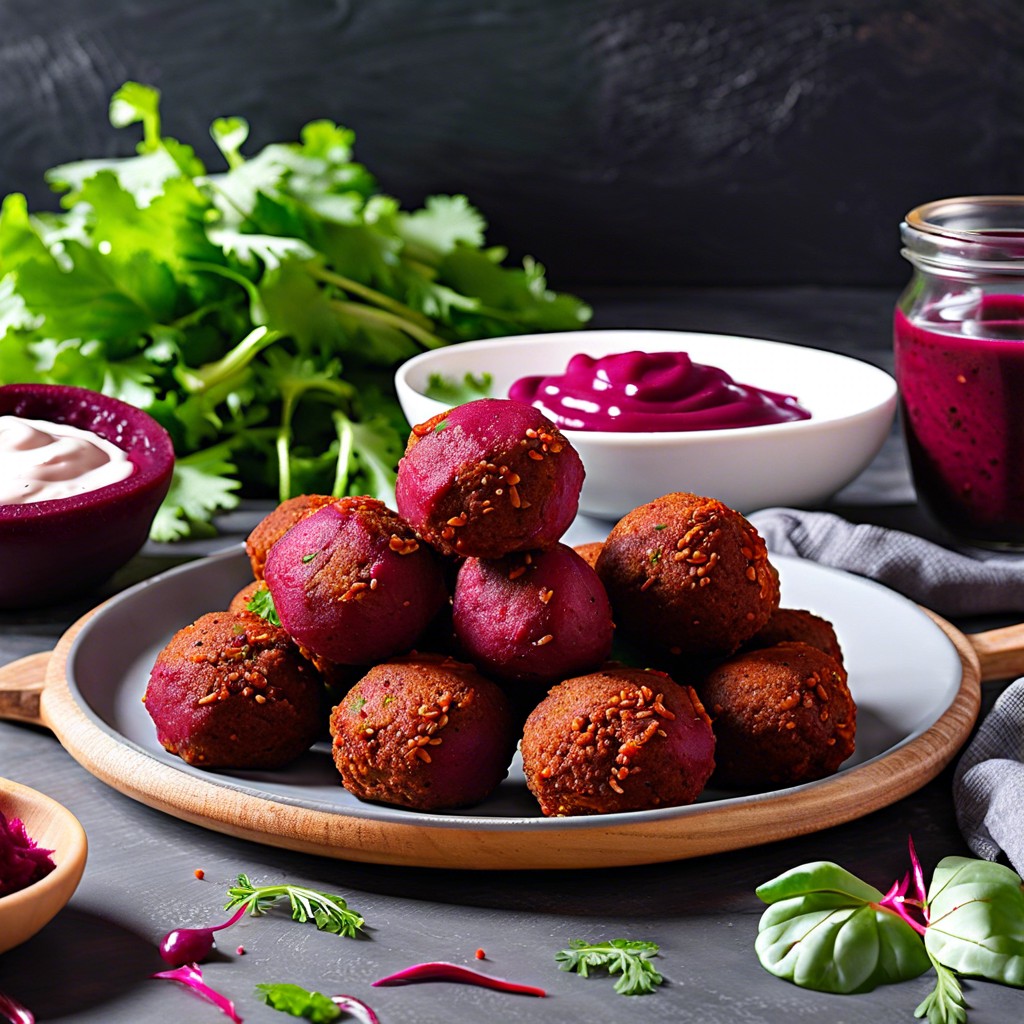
[256,312]
[826,929]
[330,913]
[629,959]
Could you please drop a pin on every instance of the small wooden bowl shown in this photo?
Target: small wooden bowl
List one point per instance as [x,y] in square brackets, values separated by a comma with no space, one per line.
[53,827]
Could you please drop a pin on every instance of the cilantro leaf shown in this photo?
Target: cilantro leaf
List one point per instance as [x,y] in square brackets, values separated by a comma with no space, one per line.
[299,1002]
[202,484]
[262,604]
[630,959]
[444,389]
[945,1003]
[328,912]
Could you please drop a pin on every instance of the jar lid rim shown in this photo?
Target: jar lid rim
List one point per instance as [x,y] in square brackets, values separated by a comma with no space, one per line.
[925,218]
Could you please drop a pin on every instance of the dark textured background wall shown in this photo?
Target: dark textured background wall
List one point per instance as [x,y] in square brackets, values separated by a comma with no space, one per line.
[640,142]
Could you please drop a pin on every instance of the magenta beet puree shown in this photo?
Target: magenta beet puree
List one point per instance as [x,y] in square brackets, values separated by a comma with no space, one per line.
[961,389]
[645,391]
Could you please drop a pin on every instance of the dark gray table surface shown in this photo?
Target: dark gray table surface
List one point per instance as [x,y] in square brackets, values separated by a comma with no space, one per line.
[92,963]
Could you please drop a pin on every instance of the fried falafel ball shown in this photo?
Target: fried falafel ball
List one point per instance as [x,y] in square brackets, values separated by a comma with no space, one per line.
[532,618]
[232,691]
[352,584]
[688,575]
[589,552]
[272,527]
[488,478]
[798,624]
[782,715]
[240,602]
[425,732]
[622,739]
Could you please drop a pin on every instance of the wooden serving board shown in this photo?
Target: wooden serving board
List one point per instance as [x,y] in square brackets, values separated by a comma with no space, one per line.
[36,689]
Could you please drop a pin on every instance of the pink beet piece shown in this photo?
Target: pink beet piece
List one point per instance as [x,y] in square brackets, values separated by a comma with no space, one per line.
[352,583]
[488,478]
[533,618]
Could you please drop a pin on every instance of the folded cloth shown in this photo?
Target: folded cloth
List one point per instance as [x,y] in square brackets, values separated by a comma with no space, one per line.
[988,785]
[950,582]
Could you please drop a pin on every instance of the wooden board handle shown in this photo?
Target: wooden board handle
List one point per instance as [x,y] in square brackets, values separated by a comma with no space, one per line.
[21,687]
[1000,652]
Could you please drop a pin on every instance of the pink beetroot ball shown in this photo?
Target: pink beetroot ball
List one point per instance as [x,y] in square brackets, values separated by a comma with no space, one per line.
[488,478]
[536,617]
[352,583]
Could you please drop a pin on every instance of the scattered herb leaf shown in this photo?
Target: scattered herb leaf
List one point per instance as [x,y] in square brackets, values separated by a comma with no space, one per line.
[262,604]
[453,392]
[630,959]
[660,526]
[306,559]
[976,919]
[299,1002]
[817,915]
[330,913]
[945,1003]
[438,427]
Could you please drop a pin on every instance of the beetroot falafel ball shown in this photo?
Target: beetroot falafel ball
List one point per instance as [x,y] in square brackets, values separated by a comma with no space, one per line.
[423,731]
[352,584]
[533,618]
[623,739]
[488,478]
[232,691]
[273,526]
[798,624]
[782,715]
[688,575]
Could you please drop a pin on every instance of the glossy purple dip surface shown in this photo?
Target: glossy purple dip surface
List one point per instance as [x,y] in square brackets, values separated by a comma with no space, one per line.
[961,376]
[630,392]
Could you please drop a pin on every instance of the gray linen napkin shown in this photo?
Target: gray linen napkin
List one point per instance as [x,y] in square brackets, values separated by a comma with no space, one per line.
[951,582]
[988,785]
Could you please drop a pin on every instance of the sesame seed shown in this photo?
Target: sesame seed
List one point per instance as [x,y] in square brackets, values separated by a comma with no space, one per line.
[546,639]
[535,455]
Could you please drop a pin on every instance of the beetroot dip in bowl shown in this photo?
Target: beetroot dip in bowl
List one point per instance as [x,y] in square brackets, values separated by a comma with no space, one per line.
[846,410]
[57,549]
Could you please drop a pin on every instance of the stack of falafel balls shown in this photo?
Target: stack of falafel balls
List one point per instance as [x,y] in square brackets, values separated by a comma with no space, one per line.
[444,633]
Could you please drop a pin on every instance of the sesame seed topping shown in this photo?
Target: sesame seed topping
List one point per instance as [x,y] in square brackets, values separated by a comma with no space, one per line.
[544,640]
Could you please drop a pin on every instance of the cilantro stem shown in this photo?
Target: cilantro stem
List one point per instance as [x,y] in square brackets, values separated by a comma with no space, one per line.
[370,314]
[370,294]
[291,391]
[236,360]
[346,439]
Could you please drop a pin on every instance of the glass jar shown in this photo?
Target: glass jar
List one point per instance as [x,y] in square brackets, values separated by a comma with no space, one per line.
[959,350]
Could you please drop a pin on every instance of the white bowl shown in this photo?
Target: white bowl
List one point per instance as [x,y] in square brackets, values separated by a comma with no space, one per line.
[800,463]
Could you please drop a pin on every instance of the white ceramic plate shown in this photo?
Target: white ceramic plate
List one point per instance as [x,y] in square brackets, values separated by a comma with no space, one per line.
[904,674]
[800,463]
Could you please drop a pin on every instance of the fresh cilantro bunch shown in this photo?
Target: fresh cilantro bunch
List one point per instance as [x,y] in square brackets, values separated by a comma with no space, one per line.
[257,312]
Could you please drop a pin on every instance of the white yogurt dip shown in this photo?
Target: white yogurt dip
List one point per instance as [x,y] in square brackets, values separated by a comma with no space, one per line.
[42,461]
